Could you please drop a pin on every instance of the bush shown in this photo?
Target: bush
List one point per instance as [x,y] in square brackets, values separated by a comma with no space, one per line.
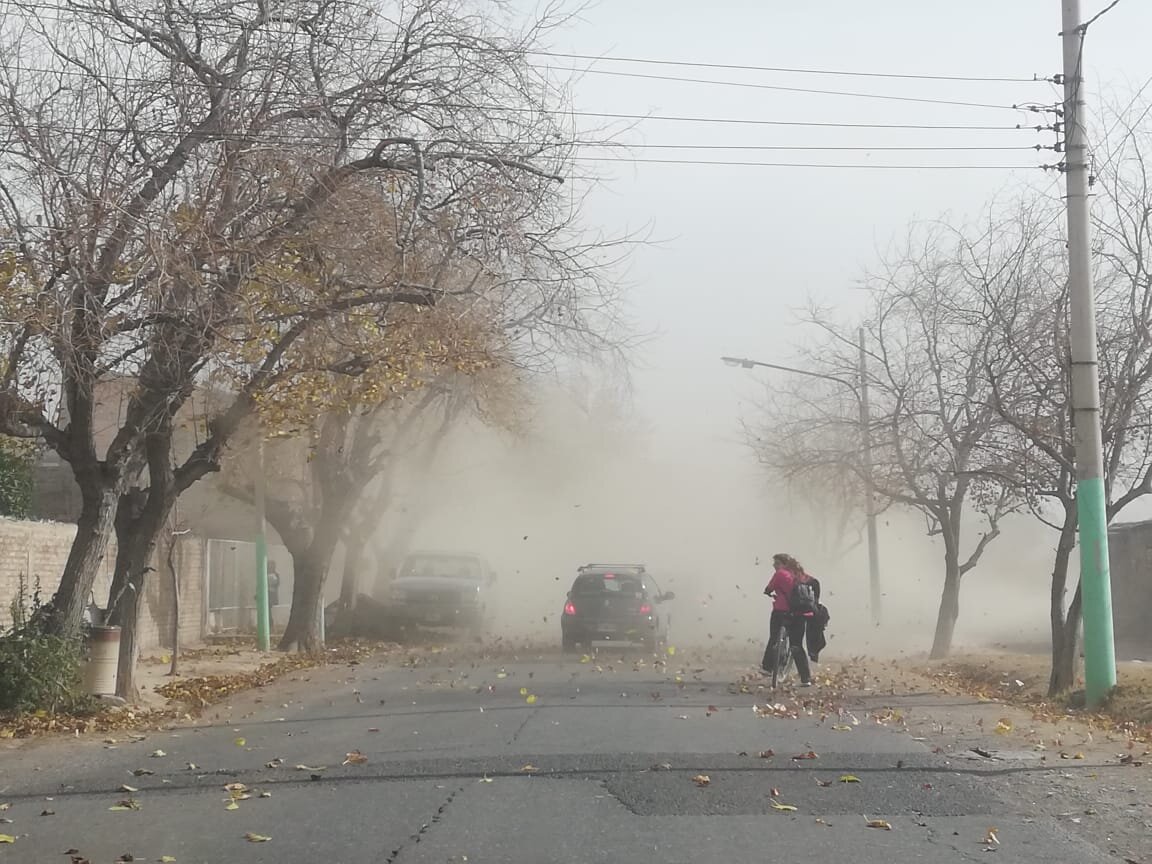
[17,467]
[38,671]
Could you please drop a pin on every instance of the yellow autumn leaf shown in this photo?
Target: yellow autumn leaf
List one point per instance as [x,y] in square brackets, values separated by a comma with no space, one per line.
[523,691]
[240,742]
[788,808]
[256,838]
[1004,727]
[167,859]
[880,824]
[531,700]
[231,805]
[840,727]
[849,778]
[7,838]
[671,650]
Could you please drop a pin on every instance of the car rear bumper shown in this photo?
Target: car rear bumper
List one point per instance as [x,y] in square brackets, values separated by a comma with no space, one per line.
[432,615]
[597,631]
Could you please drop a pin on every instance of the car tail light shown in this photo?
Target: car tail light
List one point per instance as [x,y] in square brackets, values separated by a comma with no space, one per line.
[645,609]
[569,608]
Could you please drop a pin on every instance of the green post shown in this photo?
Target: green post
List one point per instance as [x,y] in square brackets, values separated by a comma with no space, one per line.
[263,628]
[1096,586]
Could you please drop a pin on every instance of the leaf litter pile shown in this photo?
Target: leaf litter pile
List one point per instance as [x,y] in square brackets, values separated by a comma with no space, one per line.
[187,696]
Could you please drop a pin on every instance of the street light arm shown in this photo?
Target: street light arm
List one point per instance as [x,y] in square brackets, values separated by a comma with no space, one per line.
[745,363]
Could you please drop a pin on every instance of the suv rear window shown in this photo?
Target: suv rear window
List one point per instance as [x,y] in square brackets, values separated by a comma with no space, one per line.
[600,583]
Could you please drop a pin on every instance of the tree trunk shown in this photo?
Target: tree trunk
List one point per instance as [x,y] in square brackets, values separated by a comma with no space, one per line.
[138,529]
[99,499]
[354,561]
[949,603]
[1063,672]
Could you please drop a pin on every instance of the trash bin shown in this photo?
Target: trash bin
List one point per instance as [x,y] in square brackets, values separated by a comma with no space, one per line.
[103,656]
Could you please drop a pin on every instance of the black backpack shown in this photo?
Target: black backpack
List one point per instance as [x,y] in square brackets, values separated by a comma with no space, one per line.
[802,600]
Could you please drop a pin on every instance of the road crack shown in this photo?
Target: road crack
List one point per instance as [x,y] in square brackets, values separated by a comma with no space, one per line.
[520,728]
[418,835]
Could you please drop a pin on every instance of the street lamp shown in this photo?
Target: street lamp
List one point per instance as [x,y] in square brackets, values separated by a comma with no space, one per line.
[860,391]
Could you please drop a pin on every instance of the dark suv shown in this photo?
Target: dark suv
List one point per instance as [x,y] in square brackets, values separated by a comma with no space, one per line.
[442,590]
[614,603]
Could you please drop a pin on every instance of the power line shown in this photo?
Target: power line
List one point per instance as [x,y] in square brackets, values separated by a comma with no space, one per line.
[528,146]
[857,165]
[787,69]
[810,90]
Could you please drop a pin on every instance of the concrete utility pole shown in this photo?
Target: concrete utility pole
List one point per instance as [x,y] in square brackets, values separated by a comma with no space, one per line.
[860,390]
[869,491]
[263,616]
[1091,500]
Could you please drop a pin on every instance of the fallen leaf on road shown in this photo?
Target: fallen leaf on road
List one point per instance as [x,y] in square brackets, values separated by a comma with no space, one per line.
[7,805]
[1003,727]
[141,772]
[775,793]
[306,768]
[1129,759]
[127,788]
[484,780]
[849,778]
[523,691]
[265,794]
[840,727]
[126,858]
[157,754]
[355,757]
[811,754]
[240,742]
[712,709]
[671,650]
[235,788]
[990,837]
[47,812]
[767,754]
[274,763]
[231,805]
[702,780]
[256,838]
[824,783]
[125,804]
[878,823]
[527,769]
[166,859]
[531,700]
[776,805]
[191,766]
[7,838]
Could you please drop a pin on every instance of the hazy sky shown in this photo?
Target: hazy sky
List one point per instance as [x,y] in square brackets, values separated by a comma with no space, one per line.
[742,247]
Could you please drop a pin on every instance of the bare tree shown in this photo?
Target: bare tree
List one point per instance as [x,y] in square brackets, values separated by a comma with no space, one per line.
[930,414]
[197,188]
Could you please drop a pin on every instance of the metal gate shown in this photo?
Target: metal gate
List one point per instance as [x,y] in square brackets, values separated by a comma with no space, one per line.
[232,586]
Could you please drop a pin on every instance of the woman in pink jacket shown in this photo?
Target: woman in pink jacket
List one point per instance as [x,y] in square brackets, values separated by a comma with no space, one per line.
[787,572]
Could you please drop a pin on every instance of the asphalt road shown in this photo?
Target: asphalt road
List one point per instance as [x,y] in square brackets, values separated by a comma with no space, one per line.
[463,764]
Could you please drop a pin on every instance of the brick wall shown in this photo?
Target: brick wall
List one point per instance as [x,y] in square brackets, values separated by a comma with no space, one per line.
[38,550]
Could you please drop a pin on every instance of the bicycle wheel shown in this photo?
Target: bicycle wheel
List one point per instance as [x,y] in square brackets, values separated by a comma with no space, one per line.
[783,659]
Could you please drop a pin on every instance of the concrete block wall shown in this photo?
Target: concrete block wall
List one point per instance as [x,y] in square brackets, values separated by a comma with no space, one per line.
[39,550]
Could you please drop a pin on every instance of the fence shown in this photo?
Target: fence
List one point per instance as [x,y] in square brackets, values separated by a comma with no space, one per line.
[231,586]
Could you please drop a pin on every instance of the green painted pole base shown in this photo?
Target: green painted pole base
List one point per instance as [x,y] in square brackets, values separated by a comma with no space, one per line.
[263,623]
[1096,585]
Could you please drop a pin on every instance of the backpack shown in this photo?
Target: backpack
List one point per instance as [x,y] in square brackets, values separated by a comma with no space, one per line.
[802,599]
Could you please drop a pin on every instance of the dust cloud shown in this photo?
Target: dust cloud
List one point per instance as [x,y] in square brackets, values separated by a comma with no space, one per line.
[579,486]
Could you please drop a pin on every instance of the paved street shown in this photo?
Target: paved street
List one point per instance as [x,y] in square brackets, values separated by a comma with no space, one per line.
[463,764]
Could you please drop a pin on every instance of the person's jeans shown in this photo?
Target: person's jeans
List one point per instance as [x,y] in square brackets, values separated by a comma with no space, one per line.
[796,625]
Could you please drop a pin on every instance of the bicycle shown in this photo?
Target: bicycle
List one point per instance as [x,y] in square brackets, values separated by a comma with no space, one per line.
[782,663]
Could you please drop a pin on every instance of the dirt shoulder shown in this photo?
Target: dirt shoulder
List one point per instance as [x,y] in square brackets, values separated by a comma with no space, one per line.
[206,676]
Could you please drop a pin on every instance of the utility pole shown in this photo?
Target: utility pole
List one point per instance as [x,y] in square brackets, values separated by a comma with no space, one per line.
[1091,500]
[869,492]
[263,628]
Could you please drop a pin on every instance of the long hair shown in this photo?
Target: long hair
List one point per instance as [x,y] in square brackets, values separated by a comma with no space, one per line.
[787,562]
